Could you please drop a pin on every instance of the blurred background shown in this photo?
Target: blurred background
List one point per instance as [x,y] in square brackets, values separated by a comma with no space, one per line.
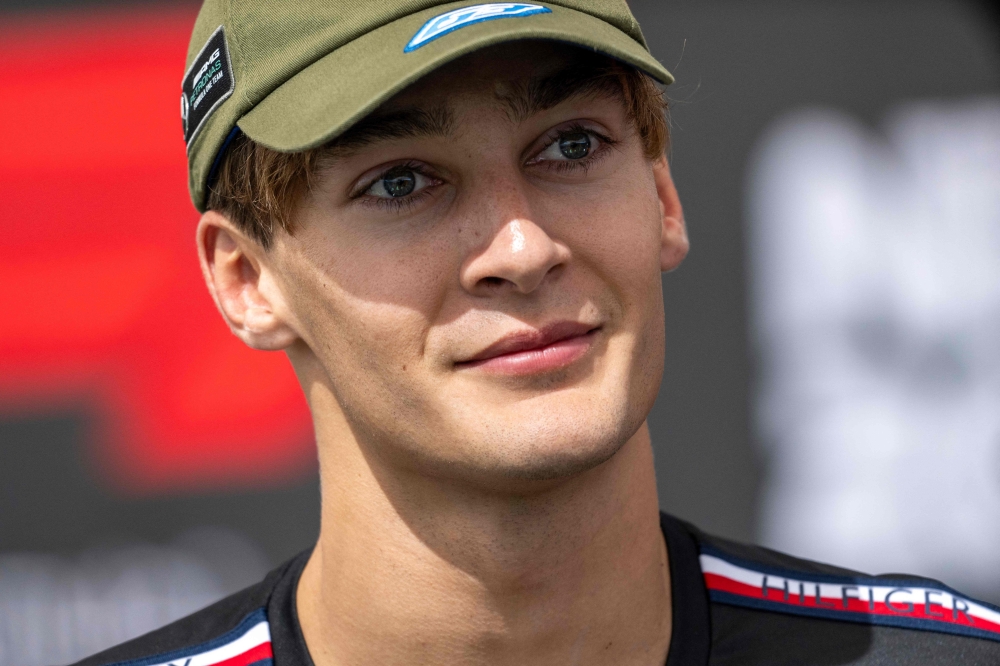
[832,386]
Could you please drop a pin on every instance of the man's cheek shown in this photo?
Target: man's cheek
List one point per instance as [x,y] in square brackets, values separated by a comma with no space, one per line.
[623,217]
[627,251]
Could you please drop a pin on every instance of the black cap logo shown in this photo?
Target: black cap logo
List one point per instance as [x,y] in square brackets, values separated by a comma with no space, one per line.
[207,84]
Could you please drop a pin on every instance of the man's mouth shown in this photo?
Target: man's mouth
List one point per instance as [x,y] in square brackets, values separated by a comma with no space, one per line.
[531,351]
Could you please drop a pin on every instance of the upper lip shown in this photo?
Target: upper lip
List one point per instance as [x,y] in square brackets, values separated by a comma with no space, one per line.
[533,338]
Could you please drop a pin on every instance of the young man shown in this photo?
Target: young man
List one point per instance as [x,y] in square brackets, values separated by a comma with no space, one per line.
[453,218]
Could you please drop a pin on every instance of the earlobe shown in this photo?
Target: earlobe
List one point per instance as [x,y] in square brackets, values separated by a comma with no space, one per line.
[240,284]
[674,242]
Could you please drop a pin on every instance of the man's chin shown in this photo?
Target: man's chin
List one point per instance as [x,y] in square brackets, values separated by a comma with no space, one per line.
[553,436]
[526,458]
[559,463]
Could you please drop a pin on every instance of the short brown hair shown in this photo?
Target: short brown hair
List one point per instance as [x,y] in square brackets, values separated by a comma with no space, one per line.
[259,188]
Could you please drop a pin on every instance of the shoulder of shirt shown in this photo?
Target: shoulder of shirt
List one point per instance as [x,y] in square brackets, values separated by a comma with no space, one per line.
[234,631]
[763,600]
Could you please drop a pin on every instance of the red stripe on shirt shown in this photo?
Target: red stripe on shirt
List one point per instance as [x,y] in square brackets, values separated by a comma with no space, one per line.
[262,651]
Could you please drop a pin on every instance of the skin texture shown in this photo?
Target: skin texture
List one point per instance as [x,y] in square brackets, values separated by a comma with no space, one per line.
[498,513]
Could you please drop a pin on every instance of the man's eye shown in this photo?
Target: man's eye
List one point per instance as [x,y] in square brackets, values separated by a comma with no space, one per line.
[569,146]
[574,146]
[398,183]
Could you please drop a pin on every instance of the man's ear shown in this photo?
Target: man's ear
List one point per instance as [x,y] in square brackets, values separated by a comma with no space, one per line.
[674,242]
[241,284]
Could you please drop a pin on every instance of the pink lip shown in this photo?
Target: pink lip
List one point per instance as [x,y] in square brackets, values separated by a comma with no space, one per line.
[532,351]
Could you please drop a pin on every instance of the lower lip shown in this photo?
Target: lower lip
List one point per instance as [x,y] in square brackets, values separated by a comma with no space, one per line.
[534,361]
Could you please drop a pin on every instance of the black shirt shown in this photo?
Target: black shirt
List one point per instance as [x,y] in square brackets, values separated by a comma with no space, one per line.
[732,604]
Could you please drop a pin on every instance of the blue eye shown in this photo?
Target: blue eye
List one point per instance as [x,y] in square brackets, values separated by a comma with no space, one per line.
[398,183]
[574,146]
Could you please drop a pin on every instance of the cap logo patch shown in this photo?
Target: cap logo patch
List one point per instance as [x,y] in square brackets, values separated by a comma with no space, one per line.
[459,18]
[207,84]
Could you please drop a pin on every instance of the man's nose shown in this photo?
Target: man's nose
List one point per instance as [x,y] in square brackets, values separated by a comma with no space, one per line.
[518,257]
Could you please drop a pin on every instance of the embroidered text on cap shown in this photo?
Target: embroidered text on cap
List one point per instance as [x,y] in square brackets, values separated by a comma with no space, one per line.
[459,18]
[208,82]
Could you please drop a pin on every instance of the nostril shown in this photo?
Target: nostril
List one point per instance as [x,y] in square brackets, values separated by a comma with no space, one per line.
[491,281]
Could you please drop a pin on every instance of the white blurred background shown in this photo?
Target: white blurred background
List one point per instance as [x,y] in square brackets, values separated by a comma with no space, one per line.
[875,263]
[54,610]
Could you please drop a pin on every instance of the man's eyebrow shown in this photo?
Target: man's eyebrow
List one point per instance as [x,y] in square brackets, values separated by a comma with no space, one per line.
[524,99]
[520,100]
[405,123]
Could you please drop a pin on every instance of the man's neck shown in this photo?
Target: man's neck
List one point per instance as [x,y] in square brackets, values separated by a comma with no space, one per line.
[409,570]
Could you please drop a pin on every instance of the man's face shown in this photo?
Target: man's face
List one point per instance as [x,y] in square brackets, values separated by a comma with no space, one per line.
[477,280]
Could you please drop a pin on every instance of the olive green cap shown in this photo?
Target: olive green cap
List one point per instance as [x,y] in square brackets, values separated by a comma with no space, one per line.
[295,74]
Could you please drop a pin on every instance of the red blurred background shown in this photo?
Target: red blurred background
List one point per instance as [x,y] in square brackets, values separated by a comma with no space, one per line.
[102,305]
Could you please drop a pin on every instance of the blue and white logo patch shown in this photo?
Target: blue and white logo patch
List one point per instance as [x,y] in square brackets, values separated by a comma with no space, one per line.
[459,18]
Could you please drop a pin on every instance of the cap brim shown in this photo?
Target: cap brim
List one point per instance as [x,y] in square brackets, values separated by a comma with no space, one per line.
[327,97]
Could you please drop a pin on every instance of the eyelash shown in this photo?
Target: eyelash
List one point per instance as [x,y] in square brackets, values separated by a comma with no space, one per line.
[396,204]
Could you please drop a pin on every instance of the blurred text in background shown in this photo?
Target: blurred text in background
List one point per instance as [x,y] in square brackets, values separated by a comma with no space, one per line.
[833,376]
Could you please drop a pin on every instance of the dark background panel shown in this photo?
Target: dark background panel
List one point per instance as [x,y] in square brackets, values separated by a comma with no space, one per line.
[51,499]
